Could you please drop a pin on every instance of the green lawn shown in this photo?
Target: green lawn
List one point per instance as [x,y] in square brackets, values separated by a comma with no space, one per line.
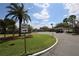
[37,43]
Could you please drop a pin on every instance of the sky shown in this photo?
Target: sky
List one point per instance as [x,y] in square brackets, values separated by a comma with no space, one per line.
[45,14]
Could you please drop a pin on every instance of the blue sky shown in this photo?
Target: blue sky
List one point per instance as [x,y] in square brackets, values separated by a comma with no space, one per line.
[43,14]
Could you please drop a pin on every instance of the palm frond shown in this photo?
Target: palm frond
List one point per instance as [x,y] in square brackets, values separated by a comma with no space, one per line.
[13,17]
[28,17]
[8,15]
[14,5]
[11,8]
[22,6]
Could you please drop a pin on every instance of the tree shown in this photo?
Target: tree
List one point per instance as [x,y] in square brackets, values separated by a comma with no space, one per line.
[52,29]
[3,27]
[62,26]
[44,28]
[17,11]
[72,19]
[59,25]
[52,25]
[10,25]
[65,20]
[30,28]
[66,23]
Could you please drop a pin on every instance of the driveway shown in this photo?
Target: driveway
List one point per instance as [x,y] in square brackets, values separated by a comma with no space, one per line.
[68,45]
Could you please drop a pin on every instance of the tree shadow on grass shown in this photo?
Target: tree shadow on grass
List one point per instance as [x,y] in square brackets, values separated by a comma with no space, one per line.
[2,41]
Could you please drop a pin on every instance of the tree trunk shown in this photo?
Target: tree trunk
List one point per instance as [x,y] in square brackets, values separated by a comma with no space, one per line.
[4,32]
[74,26]
[13,31]
[19,28]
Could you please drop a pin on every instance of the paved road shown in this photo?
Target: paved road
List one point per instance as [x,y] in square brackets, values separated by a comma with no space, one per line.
[68,45]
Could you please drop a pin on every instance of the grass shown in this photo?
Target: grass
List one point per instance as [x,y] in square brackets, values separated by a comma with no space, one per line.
[16,47]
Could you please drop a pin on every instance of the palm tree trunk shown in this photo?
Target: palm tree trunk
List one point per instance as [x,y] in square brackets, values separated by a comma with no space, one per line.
[19,28]
[4,32]
[13,31]
[73,26]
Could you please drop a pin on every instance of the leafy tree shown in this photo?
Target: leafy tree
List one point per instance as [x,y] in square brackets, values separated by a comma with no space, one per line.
[44,28]
[3,27]
[72,19]
[65,20]
[7,25]
[17,11]
[30,28]
[66,23]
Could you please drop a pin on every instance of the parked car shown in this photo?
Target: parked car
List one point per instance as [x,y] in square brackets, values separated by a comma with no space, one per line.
[59,31]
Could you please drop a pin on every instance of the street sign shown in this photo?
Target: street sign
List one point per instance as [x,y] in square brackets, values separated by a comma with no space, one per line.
[24,28]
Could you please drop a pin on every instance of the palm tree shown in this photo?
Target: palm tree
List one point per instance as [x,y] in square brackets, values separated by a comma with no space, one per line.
[17,11]
[72,19]
[66,23]
[52,25]
[65,20]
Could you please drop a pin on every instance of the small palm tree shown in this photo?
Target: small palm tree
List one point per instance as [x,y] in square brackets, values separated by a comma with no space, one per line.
[17,11]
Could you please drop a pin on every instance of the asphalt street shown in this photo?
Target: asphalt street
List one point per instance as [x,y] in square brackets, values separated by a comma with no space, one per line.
[68,45]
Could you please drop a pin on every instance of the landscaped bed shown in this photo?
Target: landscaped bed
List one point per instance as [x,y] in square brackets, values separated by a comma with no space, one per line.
[36,43]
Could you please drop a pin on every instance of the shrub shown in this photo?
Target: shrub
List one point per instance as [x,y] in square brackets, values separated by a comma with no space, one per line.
[8,38]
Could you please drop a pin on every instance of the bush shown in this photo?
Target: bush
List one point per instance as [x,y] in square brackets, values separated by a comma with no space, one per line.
[70,31]
[29,36]
[4,39]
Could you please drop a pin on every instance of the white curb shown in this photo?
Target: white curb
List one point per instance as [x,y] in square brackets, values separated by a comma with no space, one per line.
[38,53]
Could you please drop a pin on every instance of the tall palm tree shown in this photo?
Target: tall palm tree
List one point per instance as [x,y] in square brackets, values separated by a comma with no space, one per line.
[66,23]
[52,25]
[17,12]
[65,20]
[72,19]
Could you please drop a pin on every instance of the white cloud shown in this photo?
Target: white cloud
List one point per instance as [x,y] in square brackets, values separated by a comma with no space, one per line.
[42,5]
[73,8]
[43,14]
[38,24]
[65,16]
[41,25]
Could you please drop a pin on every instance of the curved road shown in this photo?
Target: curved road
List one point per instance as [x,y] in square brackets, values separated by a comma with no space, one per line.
[68,45]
